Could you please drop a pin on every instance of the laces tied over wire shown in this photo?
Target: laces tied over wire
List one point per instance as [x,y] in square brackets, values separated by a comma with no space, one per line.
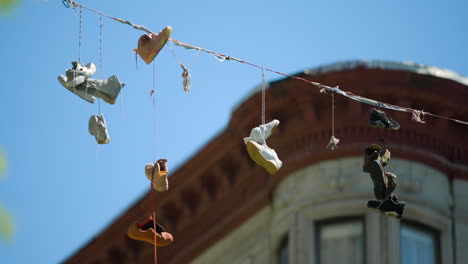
[416,116]
[222,57]
[185,70]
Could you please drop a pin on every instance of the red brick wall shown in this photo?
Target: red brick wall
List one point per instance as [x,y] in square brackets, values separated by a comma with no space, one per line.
[213,194]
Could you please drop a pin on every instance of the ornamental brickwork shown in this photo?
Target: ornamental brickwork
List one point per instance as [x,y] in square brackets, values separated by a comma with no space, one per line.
[220,187]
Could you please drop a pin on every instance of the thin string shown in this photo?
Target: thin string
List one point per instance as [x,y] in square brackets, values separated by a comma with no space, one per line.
[100,56]
[152,212]
[180,62]
[175,55]
[194,57]
[381,139]
[152,207]
[263,95]
[155,239]
[333,114]
[154,158]
[97,146]
[319,85]
[154,114]
[79,36]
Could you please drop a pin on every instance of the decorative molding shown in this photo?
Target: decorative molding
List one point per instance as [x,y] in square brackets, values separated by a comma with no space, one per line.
[228,188]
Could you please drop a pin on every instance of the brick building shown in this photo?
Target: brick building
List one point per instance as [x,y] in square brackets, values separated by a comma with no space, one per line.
[224,208]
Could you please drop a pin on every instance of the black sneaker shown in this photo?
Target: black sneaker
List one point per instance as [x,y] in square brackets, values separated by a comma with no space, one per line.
[392,209]
[374,205]
[380,119]
[394,198]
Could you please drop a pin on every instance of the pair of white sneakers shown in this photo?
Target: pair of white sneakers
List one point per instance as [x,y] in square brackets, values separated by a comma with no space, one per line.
[78,81]
[157,172]
[258,149]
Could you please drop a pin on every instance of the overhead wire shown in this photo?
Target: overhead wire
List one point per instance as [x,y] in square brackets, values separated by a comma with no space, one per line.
[414,112]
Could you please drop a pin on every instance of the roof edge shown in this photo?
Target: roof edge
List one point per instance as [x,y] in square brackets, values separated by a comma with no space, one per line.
[390,65]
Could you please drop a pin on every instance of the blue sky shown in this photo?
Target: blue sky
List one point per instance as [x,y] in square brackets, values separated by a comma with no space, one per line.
[62,189]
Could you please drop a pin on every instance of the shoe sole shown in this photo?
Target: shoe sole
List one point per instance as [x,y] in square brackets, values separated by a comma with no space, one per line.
[256,156]
[156,51]
[162,240]
[393,214]
[375,210]
[390,214]
[382,125]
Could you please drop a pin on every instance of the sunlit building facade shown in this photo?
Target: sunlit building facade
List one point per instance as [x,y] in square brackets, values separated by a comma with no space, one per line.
[224,208]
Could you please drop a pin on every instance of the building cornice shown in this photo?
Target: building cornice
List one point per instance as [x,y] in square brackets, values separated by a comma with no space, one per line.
[220,187]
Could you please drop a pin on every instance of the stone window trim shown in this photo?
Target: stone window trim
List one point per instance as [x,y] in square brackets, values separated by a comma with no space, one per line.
[338,220]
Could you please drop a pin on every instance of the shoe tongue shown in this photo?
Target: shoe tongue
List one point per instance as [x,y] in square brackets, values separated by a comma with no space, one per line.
[149,224]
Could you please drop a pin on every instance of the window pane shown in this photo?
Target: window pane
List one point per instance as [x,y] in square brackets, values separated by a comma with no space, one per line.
[341,243]
[283,256]
[418,245]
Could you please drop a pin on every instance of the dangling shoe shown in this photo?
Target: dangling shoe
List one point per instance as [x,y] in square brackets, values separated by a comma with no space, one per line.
[71,83]
[98,128]
[261,133]
[394,198]
[332,145]
[158,171]
[392,209]
[107,90]
[150,44]
[379,180]
[374,205]
[371,153]
[75,80]
[385,157]
[79,70]
[77,75]
[162,167]
[380,119]
[144,231]
[264,156]
[80,90]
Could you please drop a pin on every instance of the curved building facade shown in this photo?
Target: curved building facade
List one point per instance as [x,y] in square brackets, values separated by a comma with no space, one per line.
[224,208]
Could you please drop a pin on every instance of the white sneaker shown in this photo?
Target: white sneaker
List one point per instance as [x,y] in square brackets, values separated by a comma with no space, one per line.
[98,128]
[80,90]
[333,144]
[77,75]
[261,133]
[107,90]
[158,172]
[264,156]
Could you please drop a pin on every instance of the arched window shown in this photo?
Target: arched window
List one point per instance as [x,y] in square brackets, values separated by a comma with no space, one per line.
[340,241]
[419,244]
[283,251]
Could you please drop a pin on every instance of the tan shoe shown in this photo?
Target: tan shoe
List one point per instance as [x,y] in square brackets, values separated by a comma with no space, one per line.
[144,231]
[149,45]
[158,173]
[264,156]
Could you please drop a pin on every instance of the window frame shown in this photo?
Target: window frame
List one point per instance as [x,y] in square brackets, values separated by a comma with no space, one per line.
[435,233]
[283,242]
[339,220]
